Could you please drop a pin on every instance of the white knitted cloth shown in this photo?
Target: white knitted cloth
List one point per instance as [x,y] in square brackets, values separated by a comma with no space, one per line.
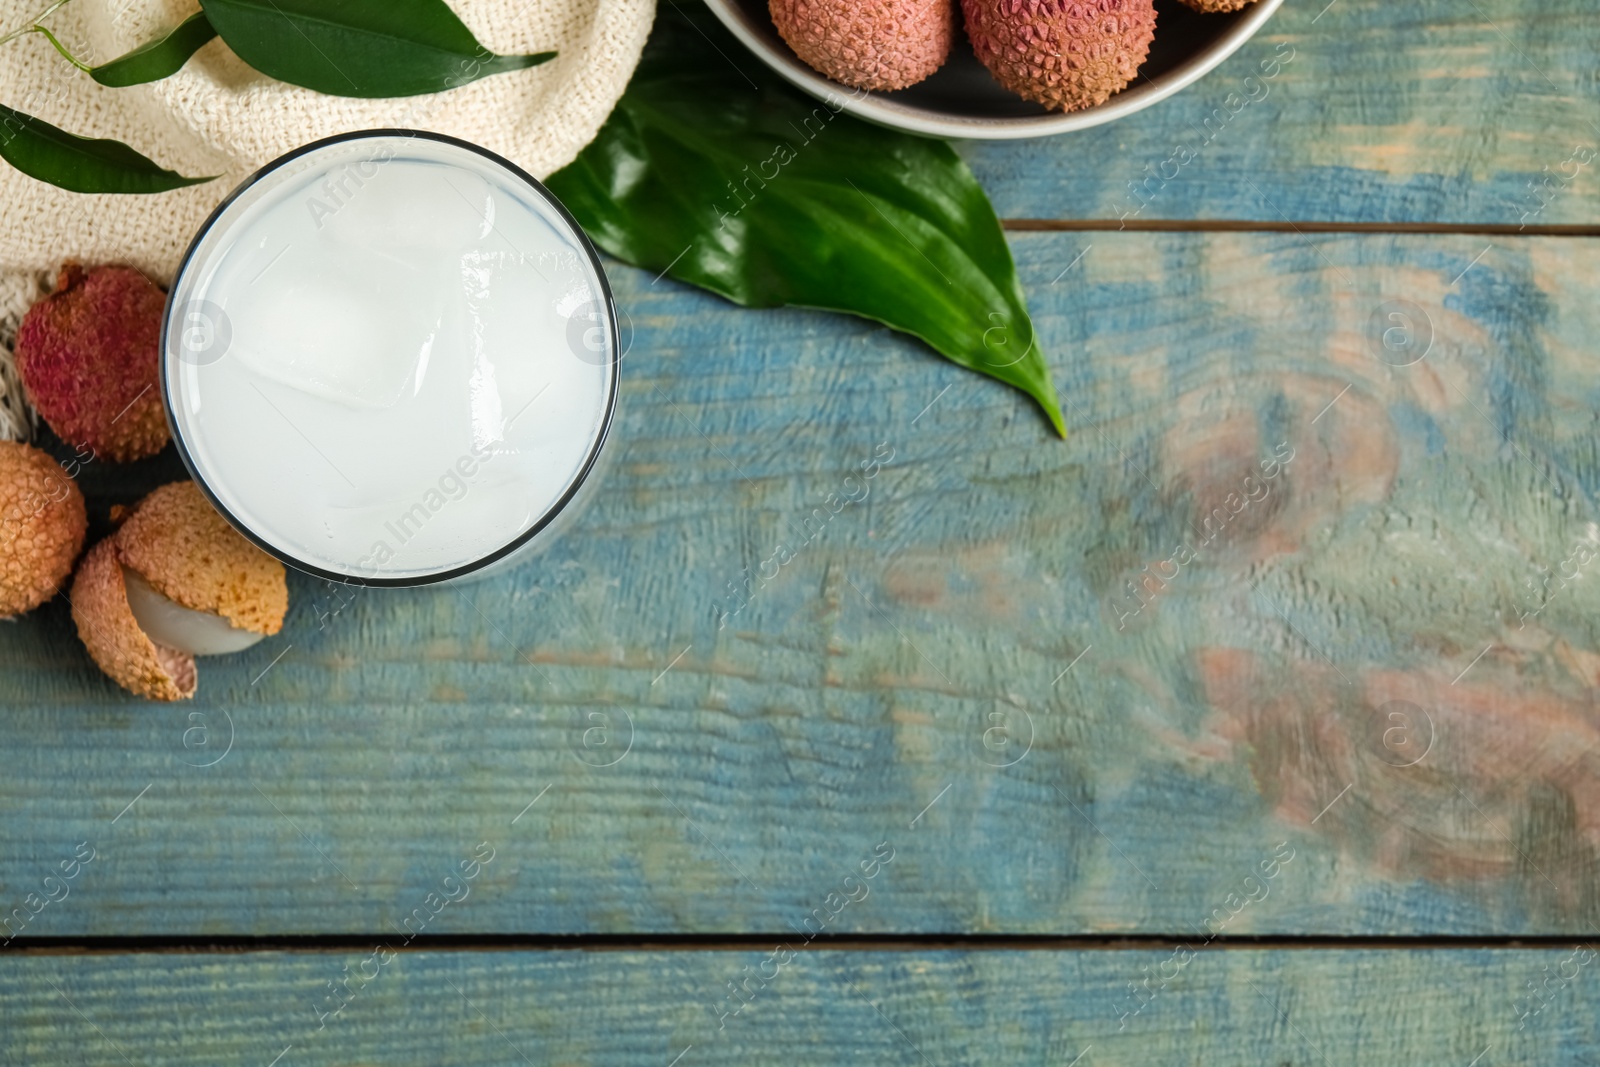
[218,116]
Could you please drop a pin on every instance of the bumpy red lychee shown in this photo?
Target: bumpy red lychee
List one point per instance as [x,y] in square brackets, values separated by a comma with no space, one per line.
[89,354]
[1064,54]
[868,44]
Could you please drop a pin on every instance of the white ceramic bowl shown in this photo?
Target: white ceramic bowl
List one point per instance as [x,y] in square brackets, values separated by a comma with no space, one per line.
[963,100]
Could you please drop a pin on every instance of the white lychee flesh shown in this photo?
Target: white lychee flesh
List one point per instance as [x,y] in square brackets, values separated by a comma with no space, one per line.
[199,633]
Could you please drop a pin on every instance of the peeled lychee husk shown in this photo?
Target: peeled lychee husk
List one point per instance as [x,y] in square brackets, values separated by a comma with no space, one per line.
[1064,54]
[210,581]
[89,357]
[190,555]
[1217,7]
[112,635]
[868,44]
[42,524]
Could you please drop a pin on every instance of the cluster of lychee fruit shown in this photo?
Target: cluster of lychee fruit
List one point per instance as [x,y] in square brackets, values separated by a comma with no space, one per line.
[1064,54]
[173,580]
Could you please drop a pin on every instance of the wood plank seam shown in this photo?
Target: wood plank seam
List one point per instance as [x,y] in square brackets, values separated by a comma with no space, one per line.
[1485,229]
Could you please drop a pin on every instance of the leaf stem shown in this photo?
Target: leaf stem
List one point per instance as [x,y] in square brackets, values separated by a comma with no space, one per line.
[52,9]
[63,49]
[37,26]
[34,25]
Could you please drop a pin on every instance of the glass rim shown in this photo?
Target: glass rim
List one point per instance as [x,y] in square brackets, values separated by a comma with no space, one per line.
[585,471]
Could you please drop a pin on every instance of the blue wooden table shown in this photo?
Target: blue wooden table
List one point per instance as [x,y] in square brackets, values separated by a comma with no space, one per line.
[1255,723]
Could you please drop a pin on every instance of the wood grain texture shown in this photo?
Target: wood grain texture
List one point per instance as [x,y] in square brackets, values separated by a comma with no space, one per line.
[954,663]
[1427,1008]
[1370,112]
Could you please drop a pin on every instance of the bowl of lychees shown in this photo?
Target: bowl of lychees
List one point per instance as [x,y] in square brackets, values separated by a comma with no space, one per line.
[998,69]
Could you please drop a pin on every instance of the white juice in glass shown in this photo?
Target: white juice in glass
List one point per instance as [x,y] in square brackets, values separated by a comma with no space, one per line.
[391,358]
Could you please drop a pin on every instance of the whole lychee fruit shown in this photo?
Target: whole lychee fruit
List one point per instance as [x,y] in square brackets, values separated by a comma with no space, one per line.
[1064,54]
[89,356]
[1214,7]
[175,581]
[868,44]
[42,523]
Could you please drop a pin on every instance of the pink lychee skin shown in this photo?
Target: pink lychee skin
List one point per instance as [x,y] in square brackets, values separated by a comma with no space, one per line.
[868,44]
[89,356]
[1064,54]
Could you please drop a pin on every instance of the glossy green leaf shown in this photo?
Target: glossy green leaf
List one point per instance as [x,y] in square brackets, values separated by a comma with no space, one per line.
[368,48]
[719,174]
[158,59]
[81,164]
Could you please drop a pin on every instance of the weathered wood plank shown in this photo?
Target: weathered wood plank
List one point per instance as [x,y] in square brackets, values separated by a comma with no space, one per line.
[954,664]
[1097,1009]
[1481,113]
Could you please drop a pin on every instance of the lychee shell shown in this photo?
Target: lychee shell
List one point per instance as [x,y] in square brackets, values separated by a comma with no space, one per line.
[868,44]
[112,635]
[42,526]
[1216,7]
[189,554]
[1064,54]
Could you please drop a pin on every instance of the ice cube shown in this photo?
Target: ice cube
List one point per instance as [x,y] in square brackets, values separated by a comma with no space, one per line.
[339,325]
[379,213]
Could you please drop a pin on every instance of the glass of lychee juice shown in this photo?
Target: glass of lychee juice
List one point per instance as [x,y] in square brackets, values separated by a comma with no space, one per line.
[391,358]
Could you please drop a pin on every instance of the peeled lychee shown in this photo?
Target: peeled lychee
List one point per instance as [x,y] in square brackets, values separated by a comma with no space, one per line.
[868,44]
[173,582]
[42,523]
[89,356]
[1212,7]
[1064,54]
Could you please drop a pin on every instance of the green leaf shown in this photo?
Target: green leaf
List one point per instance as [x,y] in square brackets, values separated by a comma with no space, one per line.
[368,48]
[716,172]
[81,164]
[158,59]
